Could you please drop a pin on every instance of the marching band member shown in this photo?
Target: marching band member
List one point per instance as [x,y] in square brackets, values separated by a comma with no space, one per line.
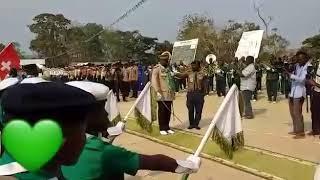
[221,79]
[134,79]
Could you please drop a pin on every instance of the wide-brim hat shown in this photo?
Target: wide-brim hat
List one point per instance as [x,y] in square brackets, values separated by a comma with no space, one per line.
[165,56]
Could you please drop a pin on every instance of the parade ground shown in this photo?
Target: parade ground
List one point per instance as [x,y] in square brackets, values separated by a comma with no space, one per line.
[269,148]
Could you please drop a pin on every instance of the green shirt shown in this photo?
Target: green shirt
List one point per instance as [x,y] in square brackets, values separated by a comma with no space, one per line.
[101,160]
[6,159]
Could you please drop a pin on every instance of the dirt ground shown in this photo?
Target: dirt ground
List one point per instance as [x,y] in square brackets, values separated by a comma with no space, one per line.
[268,130]
[209,170]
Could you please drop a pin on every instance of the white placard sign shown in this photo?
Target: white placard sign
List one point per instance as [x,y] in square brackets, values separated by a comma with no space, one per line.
[184,51]
[249,44]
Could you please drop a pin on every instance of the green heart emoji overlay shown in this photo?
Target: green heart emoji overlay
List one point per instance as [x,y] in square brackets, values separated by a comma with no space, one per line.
[32,147]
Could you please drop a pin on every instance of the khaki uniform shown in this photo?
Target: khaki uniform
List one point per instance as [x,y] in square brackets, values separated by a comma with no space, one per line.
[133,77]
[195,81]
[126,74]
[125,87]
[195,97]
[133,73]
[160,84]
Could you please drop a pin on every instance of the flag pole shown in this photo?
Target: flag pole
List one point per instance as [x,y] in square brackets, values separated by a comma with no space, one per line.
[132,108]
[137,101]
[211,126]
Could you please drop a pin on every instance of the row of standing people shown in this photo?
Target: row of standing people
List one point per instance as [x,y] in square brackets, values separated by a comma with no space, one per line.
[121,78]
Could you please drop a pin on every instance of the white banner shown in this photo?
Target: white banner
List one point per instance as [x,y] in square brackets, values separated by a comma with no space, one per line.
[249,44]
[193,43]
[184,51]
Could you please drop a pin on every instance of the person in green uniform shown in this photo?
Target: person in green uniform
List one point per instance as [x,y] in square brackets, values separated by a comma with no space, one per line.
[259,80]
[285,79]
[102,160]
[66,105]
[211,72]
[238,65]
[272,82]
[221,75]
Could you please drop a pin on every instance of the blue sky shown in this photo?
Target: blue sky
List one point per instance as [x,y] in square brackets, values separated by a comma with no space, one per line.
[295,19]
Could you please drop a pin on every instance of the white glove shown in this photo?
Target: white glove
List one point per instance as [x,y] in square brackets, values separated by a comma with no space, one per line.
[116,130]
[317,173]
[159,95]
[268,68]
[188,166]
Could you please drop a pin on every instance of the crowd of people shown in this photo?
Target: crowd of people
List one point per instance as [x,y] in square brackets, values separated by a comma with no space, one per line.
[79,109]
[215,76]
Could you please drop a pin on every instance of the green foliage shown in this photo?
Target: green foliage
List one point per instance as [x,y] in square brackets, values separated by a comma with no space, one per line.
[201,27]
[2,46]
[275,44]
[265,57]
[224,42]
[312,46]
[51,32]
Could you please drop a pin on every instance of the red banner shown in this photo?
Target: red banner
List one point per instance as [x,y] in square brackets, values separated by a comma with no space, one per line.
[9,59]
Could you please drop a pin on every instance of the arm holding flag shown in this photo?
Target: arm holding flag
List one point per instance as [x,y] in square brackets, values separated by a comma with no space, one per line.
[226,128]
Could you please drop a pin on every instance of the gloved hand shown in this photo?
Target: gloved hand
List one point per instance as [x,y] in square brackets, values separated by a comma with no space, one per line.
[159,95]
[116,130]
[317,173]
[188,166]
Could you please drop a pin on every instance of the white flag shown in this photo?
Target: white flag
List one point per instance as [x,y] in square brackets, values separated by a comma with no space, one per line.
[228,126]
[112,108]
[145,110]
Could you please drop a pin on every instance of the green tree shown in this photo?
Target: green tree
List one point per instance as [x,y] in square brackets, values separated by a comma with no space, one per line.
[162,47]
[125,45]
[201,27]
[50,41]
[275,43]
[2,46]
[230,36]
[93,44]
[312,45]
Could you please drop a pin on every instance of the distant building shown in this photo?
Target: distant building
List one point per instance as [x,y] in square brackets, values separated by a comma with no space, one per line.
[24,62]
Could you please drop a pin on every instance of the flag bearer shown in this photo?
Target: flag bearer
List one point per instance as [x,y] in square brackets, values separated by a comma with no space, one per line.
[66,105]
[102,160]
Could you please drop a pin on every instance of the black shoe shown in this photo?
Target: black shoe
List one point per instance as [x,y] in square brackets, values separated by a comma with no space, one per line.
[190,127]
[197,127]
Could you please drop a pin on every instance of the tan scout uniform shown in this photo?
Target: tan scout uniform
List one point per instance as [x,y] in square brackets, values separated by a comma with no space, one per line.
[195,97]
[125,83]
[133,77]
[161,85]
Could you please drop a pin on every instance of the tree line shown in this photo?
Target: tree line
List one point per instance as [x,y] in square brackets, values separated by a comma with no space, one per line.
[62,41]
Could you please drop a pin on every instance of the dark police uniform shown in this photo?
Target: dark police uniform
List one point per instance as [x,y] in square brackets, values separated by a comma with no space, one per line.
[221,75]
[272,84]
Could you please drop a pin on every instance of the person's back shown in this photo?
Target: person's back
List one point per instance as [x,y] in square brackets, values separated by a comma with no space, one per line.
[248,81]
